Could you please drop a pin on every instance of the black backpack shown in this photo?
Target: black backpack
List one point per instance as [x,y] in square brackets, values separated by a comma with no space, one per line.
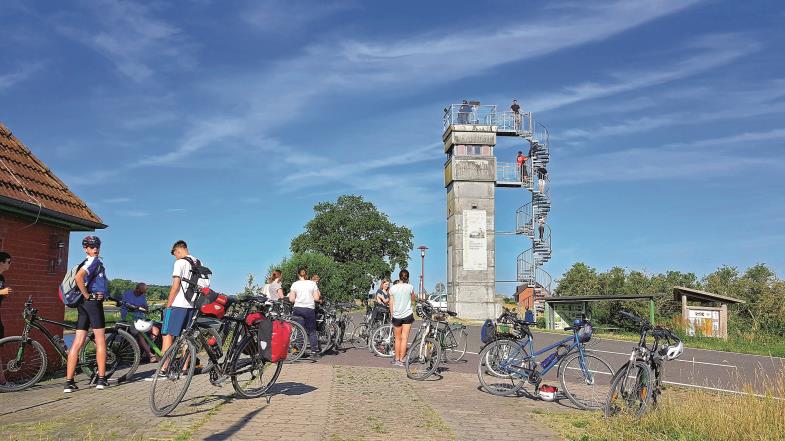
[198,271]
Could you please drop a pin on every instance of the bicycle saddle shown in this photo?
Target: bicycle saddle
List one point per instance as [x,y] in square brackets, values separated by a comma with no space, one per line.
[452,313]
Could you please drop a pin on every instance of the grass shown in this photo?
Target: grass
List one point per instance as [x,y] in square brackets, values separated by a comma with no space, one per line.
[110,317]
[685,415]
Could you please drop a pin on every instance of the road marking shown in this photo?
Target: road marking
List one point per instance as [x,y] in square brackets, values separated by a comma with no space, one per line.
[683,361]
[717,389]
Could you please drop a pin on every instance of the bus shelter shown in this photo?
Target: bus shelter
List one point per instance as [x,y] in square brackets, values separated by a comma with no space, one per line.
[560,311]
[709,317]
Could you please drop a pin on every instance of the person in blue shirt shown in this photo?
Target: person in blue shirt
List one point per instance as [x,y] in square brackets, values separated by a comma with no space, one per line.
[138,297]
[92,283]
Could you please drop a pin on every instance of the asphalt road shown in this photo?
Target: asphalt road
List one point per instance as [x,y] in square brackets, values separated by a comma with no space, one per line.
[701,368]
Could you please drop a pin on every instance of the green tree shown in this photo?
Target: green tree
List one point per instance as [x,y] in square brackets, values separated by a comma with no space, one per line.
[360,239]
[251,288]
[330,274]
[579,280]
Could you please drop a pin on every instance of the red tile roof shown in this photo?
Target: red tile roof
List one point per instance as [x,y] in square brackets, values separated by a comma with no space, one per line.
[25,178]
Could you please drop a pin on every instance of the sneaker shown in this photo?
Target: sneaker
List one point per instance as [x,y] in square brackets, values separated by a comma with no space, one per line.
[394,362]
[399,364]
[101,383]
[70,386]
[316,356]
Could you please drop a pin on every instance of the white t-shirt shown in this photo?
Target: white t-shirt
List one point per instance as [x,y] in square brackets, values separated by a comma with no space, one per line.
[402,300]
[304,291]
[182,269]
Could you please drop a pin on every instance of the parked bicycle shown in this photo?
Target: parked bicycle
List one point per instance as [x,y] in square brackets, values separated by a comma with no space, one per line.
[505,365]
[375,316]
[326,326]
[251,375]
[24,362]
[507,326]
[345,324]
[436,341]
[638,383]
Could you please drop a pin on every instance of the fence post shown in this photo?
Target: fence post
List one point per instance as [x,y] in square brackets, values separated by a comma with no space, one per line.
[651,310]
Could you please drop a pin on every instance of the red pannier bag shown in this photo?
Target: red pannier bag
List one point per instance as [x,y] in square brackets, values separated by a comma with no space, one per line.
[211,303]
[273,336]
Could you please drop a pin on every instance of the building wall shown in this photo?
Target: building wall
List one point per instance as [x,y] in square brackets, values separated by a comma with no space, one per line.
[37,268]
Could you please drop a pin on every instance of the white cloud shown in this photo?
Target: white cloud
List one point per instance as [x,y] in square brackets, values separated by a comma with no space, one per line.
[117,200]
[290,15]
[22,73]
[129,35]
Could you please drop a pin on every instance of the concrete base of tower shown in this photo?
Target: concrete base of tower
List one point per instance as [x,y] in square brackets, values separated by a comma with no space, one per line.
[478,311]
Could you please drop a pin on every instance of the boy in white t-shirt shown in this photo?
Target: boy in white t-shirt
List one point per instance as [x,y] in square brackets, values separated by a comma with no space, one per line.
[179,310]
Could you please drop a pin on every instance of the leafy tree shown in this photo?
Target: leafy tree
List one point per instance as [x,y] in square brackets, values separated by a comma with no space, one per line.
[330,274]
[154,292]
[251,289]
[579,280]
[360,239]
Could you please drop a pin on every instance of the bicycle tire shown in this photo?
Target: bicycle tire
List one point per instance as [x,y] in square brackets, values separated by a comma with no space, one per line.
[206,334]
[36,361]
[626,396]
[422,358]
[383,341]
[298,341]
[328,338]
[456,341]
[493,378]
[359,338]
[585,385]
[253,365]
[173,373]
[122,354]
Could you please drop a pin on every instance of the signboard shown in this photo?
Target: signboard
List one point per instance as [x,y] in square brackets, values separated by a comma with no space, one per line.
[705,322]
[475,241]
[565,313]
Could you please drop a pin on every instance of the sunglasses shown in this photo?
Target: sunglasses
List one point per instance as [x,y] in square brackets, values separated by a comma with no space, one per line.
[95,247]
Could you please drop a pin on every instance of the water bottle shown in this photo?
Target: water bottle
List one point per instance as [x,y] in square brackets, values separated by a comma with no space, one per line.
[214,347]
[549,361]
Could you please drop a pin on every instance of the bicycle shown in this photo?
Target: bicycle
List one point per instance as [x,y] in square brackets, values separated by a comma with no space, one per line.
[506,326]
[505,365]
[375,316]
[242,363]
[27,360]
[326,327]
[437,340]
[639,381]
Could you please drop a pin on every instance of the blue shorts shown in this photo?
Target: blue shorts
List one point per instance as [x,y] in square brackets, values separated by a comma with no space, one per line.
[175,319]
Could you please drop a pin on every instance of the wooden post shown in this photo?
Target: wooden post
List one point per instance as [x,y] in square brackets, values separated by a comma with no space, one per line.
[724,321]
[651,310]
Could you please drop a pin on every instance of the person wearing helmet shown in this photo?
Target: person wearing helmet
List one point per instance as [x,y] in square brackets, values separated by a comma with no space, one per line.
[137,297]
[92,283]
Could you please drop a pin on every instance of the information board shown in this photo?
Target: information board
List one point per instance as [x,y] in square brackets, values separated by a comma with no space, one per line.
[705,322]
[475,241]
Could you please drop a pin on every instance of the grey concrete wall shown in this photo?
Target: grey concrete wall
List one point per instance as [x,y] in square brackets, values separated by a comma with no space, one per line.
[469,181]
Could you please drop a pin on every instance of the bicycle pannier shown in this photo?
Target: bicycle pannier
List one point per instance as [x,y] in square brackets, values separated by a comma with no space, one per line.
[488,331]
[282,332]
[212,303]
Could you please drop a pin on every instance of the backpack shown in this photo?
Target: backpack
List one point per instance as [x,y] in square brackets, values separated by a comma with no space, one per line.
[198,271]
[68,290]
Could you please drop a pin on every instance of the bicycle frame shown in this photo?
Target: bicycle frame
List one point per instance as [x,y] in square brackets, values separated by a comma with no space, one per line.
[35,322]
[509,364]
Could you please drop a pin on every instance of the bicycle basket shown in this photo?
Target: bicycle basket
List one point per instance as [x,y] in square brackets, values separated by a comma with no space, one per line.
[488,331]
[584,334]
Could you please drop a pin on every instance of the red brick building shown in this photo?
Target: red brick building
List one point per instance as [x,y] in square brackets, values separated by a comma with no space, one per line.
[37,213]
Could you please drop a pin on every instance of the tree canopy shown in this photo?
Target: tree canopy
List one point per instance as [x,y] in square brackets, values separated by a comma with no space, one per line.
[362,242]
[154,292]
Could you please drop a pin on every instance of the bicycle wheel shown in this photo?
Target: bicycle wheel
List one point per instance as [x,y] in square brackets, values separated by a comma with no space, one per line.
[585,381]
[359,338]
[22,363]
[630,390]
[422,358]
[328,338]
[500,368]
[252,376]
[298,341]
[348,330]
[455,341]
[383,341]
[122,355]
[172,377]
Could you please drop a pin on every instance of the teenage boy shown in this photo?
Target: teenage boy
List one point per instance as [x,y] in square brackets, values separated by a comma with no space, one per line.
[179,310]
[5,263]
[92,283]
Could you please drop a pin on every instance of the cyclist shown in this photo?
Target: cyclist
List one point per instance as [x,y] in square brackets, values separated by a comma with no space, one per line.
[137,297]
[274,290]
[179,310]
[304,294]
[382,301]
[92,283]
[401,300]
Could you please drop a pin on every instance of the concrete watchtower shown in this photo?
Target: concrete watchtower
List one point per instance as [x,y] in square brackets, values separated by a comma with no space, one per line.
[471,175]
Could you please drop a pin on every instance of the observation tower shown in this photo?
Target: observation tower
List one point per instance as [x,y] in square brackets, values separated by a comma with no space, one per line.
[471,176]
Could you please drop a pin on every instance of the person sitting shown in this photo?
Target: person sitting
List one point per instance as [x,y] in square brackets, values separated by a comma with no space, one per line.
[137,297]
[382,301]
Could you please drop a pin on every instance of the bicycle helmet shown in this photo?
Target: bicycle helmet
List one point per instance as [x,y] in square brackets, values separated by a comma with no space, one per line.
[585,331]
[91,241]
[142,325]
[673,352]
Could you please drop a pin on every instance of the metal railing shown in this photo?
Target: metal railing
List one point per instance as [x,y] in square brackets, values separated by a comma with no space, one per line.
[522,123]
[524,220]
[475,114]
[508,172]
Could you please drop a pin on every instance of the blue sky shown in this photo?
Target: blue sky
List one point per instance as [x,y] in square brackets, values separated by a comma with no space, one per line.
[224,123]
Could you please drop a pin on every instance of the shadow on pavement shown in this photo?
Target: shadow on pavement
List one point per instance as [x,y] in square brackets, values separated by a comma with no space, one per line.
[291,388]
[234,428]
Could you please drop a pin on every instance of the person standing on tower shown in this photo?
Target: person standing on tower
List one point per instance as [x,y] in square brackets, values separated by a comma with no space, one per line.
[521,161]
[542,176]
[516,114]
